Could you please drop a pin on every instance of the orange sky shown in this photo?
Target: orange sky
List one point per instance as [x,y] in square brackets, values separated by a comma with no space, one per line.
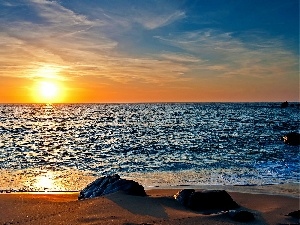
[171,52]
[24,90]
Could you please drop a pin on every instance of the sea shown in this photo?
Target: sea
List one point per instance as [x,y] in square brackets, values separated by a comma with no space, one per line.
[63,147]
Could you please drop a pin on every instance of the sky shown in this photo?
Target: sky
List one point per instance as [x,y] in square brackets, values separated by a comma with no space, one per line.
[102,51]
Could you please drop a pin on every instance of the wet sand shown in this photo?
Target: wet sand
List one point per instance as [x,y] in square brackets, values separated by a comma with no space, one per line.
[158,207]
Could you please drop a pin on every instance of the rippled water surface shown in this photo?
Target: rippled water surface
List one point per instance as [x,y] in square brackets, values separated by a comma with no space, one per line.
[63,147]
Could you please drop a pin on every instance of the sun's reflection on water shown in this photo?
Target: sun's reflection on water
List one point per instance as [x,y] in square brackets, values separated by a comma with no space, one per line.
[43,180]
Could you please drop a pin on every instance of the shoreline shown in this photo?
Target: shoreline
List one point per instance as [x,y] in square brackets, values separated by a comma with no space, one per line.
[285,189]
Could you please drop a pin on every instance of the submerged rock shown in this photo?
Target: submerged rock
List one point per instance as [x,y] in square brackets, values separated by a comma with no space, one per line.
[111,184]
[206,200]
[292,138]
[294,214]
[241,215]
[284,104]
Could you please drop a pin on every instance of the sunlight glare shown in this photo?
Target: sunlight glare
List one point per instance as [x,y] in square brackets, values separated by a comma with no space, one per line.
[48,90]
[48,86]
[45,183]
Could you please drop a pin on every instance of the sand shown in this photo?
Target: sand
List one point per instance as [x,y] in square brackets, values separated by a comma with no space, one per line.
[158,207]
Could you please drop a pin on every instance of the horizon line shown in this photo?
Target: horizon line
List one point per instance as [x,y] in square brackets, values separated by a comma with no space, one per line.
[146,102]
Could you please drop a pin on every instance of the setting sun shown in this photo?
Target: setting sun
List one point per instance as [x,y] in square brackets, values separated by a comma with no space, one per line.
[48,86]
[48,92]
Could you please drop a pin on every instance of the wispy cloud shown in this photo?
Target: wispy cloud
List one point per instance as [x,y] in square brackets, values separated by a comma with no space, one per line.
[179,57]
[153,21]
[54,13]
[227,54]
[63,38]
[81,47]
[149,14]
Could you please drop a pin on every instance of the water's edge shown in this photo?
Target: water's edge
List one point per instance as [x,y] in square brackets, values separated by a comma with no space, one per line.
[288,190]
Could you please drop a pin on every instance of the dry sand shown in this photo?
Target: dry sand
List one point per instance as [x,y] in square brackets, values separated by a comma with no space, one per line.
[158,207]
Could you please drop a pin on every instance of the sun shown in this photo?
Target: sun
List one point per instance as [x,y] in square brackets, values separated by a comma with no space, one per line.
[47,91]
[49,84]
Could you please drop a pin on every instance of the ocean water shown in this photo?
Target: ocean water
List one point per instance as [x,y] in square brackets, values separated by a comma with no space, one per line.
[63,147]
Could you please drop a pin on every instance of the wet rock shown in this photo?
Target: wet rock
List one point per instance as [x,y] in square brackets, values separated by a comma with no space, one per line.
[111,184]
[295,214]
[206,200]
[183,196]
[292,138]
[241,215]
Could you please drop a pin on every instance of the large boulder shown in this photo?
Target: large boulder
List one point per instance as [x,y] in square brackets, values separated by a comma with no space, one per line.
[292,138]
[111,184]
[206,200]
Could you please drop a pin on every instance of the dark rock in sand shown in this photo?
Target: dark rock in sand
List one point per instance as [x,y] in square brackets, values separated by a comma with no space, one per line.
[183,196]
[295,214]
[111,184]
[241,215]
[292,138]
[206,200]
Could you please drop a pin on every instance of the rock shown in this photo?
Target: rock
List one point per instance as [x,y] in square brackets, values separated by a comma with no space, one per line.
[206,200]
[295,214]
[241,215]
[292,138]
[111,184]
[183,196]
[284,104]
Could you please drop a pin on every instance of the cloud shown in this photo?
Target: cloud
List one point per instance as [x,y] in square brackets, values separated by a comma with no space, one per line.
[153,21]
[179,57]
[226,54]
[136,70]
[63,38]
[56,14]
[79,46]
[150,14]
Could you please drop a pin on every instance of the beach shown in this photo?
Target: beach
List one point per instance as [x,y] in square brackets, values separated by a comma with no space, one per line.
[158,207]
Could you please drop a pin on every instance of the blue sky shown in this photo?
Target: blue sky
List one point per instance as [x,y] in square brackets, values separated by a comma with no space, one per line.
[239,50]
